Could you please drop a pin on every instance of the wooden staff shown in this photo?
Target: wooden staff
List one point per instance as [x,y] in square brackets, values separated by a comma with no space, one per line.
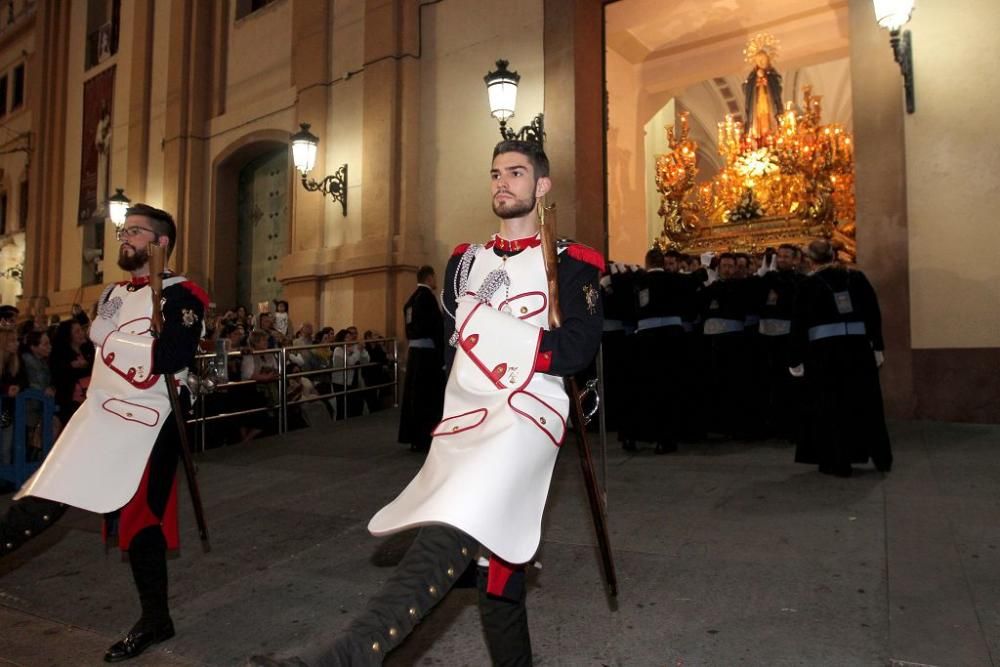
[157,261]
[597,509]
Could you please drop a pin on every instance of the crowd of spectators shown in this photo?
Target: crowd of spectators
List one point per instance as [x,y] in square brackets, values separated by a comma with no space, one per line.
[56,357]
[357,371]
[48,354]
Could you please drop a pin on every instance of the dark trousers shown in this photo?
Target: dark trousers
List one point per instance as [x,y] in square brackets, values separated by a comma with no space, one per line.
[147,556]
[428,570]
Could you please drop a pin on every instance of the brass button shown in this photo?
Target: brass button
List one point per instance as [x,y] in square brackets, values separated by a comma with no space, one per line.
[45,517]
[524,309]
[465,551]
[27,533]
[541,419]
[376,647]
[393,632]
[454,428]
[128,414]
[413,612]
[433,590]
[451,572]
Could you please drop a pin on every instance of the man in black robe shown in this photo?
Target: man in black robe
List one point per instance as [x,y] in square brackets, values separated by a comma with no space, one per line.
[657,354]
[423,389]
[837,347]
[781,390]
[724,323]
[616,292]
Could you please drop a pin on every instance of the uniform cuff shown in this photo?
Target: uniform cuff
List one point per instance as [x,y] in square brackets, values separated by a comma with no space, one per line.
[543,362]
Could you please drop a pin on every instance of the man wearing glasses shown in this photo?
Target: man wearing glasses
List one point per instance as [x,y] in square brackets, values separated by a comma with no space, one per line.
[118,455]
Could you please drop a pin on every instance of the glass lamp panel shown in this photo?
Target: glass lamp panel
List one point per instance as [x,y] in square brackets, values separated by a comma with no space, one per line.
[304,155]
[116,211]
[503,98]
[893,14]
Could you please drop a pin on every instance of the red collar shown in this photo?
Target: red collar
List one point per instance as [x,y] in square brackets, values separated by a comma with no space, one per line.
[516,245]
[140,281]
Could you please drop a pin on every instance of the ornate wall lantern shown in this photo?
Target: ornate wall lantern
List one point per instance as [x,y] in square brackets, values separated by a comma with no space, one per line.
[304,145]
[118,204]
[501,86]
[893,15]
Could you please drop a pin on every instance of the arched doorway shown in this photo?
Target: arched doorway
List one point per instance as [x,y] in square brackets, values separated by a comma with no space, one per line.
[250,219]
[262,229]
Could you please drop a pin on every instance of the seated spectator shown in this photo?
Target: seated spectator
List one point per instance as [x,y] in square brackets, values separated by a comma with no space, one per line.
[265,323]
[35,352]
[262,369]
[12,379]
[305,359]
[72,361]
[375,375]
[346,356]
[8,317]
[324,336]
[243,318]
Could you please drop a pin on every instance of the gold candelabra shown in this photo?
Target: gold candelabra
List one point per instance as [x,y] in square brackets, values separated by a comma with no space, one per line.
[799,180]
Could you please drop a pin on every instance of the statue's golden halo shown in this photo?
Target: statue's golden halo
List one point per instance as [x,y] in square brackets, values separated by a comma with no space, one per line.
[762,42]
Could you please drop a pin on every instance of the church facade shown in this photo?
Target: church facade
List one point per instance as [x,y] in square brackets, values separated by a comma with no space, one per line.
[189,105]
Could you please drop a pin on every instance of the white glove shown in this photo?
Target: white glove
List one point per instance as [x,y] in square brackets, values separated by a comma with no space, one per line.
[706,258]
[797,371]
[879,358]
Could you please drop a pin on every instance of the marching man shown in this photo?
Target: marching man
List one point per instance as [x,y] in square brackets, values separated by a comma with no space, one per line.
[118,455]
[481,492]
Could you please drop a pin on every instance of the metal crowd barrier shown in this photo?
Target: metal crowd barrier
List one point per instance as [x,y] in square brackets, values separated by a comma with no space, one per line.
[280,406]
[20,468]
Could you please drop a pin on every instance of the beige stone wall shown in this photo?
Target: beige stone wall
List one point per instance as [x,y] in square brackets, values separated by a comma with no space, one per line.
[627,234]
[952,162]
[457,133]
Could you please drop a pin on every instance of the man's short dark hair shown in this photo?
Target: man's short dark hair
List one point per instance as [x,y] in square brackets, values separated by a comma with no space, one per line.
[424,272]
[529,149]
[821,251]
[673,254]
[654,258]
[161,221]
[742,255]
[727,255]
[788,246]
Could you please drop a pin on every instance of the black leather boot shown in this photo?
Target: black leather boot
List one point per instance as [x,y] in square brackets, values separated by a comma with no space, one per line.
[148,559]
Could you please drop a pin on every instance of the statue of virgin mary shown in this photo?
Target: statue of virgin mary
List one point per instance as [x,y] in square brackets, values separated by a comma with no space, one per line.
[762,87]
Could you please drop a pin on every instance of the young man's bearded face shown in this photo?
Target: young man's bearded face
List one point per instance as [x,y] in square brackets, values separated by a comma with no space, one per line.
[130,258]
[133,253]
[514,186]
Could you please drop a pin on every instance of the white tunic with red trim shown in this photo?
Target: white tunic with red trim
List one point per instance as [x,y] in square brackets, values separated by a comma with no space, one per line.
[491,460]
[98,461]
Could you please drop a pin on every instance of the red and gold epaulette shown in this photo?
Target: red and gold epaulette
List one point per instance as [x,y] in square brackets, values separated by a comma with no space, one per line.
[586,254]
[197,292]
[460,249]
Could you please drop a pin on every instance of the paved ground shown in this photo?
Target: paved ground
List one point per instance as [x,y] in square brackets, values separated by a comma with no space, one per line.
[728,554]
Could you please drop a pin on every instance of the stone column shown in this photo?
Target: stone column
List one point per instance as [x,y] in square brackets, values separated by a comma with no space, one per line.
[185,144]
[46,92]
[310,76]
[574,117]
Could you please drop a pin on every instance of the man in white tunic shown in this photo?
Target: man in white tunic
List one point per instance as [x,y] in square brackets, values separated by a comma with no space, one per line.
[118,454]
[480,495]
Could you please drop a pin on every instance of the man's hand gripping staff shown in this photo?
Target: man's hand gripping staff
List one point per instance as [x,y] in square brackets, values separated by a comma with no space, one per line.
[157,262]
